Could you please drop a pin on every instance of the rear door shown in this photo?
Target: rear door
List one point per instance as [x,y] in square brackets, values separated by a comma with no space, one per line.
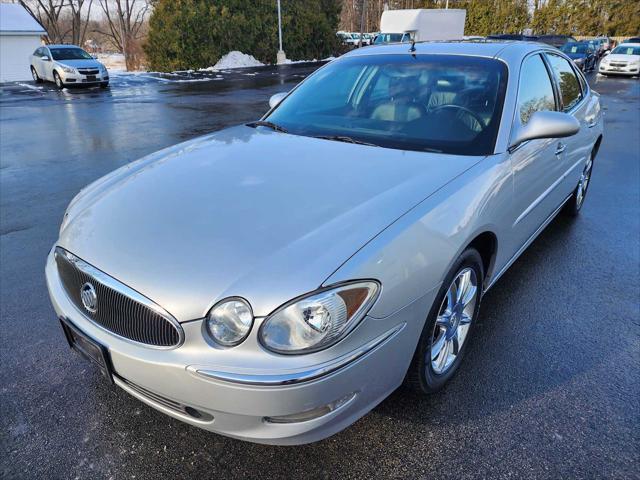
[537,164]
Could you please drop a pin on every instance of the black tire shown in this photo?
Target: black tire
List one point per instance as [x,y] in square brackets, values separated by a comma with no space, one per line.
[104,85]
[36,77]
[574,204]
[421,376]
[58,80]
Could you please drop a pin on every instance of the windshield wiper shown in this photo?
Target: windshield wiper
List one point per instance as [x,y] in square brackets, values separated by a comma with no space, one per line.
[342,138]
[265,123]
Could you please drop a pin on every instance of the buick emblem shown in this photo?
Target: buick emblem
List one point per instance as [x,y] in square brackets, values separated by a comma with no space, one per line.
[89,297]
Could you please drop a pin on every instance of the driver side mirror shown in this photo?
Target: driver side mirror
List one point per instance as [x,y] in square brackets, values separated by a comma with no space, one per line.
[545,124]
[45,58]
[275,100]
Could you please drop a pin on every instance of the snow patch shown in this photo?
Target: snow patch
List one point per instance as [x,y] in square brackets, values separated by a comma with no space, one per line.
[113,61]
[234,59]
[30,87]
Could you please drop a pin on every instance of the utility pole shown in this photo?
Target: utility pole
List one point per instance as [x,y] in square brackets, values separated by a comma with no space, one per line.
[362,15]
[280,56]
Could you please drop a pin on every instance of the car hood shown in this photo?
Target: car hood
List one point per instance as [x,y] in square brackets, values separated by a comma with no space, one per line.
[245,212]
[619,57]
[576,56]
[80,63]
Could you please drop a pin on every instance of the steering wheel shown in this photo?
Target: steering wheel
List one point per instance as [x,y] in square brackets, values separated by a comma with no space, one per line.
[478,126]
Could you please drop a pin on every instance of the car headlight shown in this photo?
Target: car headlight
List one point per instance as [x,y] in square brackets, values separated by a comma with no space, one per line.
[318,320]
[69,69]
[229,322]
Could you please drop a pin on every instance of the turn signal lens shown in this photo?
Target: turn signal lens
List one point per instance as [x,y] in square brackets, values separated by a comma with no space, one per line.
[312,414]
[318,320]
[230,321]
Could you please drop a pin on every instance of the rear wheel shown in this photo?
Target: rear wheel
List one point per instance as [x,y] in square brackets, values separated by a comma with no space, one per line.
[36,77]
[58,80]
[449,326]
[573,206]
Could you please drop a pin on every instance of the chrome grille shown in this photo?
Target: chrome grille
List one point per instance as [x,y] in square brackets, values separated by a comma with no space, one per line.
[118,308]
[88,71]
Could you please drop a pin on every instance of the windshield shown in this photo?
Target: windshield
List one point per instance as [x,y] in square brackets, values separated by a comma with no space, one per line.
[443,103]
[574,48]
[69,54]
[390,38]
[626,50]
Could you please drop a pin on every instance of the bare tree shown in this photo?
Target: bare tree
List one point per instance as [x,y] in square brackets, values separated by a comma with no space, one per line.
[48,13]
[79,22]
[66,21]
[125,19]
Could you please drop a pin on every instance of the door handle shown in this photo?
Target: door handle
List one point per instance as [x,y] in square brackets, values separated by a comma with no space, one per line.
[560,148]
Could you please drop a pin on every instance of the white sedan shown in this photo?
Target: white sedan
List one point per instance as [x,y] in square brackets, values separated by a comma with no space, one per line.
[623,60]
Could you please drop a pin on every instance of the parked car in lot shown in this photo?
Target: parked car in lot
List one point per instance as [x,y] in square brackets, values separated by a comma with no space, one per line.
[604,44]
[555,40]
[512,36]
[623,60]
[632,40]
[67,65]
[275,281]
[582,54]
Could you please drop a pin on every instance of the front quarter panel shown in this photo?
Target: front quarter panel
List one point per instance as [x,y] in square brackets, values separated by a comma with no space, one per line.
[413,255]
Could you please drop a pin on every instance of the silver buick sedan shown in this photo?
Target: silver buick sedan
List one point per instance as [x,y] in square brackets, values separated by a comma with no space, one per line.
[275,281]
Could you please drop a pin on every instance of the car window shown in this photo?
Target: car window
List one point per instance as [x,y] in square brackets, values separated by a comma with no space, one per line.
[66,53]
[535,90]
[570,91]
[444,103]
[626,50]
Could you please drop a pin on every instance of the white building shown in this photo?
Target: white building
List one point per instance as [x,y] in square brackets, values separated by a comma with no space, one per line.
[19,37]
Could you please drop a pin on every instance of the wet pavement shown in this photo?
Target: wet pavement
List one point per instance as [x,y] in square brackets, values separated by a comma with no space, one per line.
[550,387]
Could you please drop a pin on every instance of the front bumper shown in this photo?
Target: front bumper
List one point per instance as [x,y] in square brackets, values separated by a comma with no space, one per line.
[79,79]
[627,70]
[233,396]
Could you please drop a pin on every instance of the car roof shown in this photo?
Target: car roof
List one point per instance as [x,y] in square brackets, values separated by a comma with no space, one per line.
[629,44]
[480,48]
[62,46]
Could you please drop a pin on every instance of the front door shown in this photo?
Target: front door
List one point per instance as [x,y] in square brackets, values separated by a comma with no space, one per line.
[538,165]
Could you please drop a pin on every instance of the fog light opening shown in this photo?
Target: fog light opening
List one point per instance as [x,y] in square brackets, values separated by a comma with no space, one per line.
[313,413]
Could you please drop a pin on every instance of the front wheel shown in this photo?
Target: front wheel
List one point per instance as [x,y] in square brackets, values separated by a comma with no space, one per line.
[449,326]
[104,85]
[58,80]
[573,206]
[36,77]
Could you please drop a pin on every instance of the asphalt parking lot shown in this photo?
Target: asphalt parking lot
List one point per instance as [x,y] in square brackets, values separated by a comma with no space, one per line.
[550,387]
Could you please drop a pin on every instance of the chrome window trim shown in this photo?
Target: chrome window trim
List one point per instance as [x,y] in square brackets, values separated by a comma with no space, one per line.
[312,373]
[110,282]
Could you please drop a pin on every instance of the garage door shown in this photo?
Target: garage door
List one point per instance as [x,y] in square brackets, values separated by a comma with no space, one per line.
[14,56]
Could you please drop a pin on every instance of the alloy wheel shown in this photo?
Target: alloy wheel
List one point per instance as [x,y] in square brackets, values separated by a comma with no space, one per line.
[583,184]
[454,320]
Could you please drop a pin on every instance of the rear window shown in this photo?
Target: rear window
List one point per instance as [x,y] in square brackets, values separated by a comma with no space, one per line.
[443,103]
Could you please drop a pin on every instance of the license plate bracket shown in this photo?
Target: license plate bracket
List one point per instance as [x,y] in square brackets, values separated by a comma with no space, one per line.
[91,78]
[89,348]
